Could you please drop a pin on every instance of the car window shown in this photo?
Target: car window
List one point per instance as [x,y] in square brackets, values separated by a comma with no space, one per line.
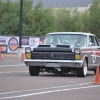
[52,39]
[90,40]
[93,40]
[75,39]
[99,41]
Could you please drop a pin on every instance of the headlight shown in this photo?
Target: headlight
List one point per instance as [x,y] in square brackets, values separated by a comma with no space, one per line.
[27,49]
[77,51]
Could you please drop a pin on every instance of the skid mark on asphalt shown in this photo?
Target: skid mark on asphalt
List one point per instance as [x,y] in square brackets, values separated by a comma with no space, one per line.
[45,92]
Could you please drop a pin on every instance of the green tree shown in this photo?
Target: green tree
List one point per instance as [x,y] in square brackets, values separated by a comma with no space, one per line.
[63,20]
[9,19]
[37,20]
[44,20]
[84,17]
[94,25]
[68,20]
[28,18]
[76,21]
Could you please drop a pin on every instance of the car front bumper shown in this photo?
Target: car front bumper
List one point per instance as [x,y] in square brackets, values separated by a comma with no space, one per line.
[54,63]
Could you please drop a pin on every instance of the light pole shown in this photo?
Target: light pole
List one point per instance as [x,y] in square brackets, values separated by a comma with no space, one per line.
[20,49]
[21,19]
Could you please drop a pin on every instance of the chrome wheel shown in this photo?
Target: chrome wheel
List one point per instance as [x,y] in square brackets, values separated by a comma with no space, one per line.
[85,68]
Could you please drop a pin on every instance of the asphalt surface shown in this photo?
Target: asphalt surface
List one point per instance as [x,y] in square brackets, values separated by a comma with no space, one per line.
[17,84]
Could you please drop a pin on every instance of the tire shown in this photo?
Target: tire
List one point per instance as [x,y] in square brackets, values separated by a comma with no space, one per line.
[58,73]
[94,71]
[33,71]
[82,72]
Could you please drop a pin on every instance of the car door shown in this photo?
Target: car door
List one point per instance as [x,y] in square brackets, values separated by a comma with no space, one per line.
[94,52]
[97,50]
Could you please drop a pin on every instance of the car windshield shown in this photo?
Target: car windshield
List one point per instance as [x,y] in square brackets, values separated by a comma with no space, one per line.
[78,39]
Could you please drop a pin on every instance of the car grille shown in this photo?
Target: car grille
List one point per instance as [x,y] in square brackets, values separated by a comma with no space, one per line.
[53,55]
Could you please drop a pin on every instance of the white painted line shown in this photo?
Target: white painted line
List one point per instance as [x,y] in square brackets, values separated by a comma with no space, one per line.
[12,72]
[46,88]
[33,94]
[4,72]
[12,65]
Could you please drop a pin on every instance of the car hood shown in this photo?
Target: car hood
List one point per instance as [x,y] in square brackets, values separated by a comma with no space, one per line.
[54,47]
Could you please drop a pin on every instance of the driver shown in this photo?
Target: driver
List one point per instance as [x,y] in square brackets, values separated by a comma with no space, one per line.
[81,40]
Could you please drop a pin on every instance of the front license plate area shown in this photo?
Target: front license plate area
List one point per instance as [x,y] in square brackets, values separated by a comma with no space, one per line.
[52,65]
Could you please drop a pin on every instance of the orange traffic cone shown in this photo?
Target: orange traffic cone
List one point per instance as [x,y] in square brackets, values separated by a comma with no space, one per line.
[22,57]
[97,76]
[0,56]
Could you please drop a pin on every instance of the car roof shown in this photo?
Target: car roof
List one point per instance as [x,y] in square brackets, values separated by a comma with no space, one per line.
[84,33]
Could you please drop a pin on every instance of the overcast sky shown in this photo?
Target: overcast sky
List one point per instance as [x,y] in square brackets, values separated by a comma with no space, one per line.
[63,3]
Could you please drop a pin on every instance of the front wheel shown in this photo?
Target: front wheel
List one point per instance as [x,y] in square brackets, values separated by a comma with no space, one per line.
[33,71]
[82,72]
[58,72]
[94,71]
